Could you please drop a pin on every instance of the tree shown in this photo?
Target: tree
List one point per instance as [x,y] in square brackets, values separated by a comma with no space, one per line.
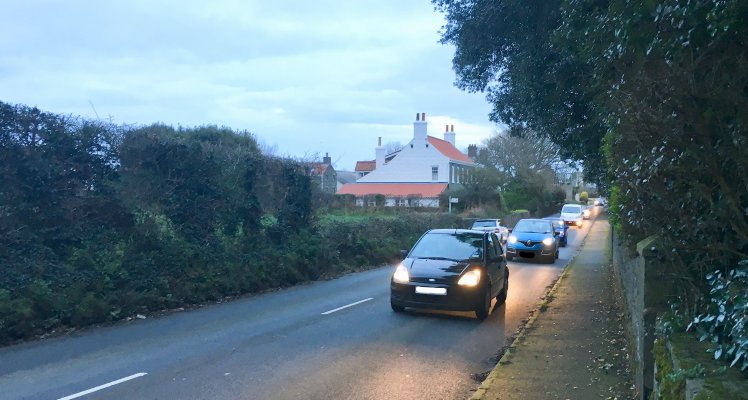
[481,191]
[391,147]
[517,155]
[509,49]
[650,95]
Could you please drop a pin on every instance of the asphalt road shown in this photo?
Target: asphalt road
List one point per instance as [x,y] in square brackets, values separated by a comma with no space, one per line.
[299,343]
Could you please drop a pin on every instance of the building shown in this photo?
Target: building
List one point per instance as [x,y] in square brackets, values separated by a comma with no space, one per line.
[324,175]
[364,167]
[414,176]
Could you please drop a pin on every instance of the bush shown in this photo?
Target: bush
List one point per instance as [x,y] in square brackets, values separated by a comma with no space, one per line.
[723,323]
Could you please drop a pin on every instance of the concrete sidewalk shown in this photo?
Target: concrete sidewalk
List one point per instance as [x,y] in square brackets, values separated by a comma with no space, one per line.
[573,347]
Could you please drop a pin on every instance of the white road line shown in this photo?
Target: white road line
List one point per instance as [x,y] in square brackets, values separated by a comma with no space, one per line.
[104,386]
[349,305]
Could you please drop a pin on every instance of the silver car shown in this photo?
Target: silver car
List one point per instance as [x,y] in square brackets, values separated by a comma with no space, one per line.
[492,225]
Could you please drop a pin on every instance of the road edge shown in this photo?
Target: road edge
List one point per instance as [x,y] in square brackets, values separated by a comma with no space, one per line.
[534,313]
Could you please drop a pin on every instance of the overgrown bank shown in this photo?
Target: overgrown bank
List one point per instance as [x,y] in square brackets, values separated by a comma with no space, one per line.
[100,222]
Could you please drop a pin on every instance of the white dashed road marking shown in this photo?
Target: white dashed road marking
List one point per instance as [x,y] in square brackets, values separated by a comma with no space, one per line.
[346,306]
[104,386]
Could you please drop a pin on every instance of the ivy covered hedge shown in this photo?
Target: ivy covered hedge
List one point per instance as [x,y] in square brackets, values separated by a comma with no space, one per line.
[652,96]
[101,222]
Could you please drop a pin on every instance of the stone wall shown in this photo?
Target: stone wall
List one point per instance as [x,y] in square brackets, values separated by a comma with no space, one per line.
[644,295]
[629,269]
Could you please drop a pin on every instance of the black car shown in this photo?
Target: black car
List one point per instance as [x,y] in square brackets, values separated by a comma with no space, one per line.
[452,269]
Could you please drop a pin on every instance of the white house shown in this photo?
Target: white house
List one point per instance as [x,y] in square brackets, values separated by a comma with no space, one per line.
[417,174]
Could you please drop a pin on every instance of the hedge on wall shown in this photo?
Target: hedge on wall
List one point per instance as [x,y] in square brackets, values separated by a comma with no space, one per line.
[100,222]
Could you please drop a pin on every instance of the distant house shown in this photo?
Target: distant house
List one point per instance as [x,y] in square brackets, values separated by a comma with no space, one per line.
[324,175]
[364,167]
[414,176]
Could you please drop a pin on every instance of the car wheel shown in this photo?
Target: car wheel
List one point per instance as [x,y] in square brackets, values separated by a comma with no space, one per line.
[484,309]
[556,255]
[501,297]
[396,307]
[509,257]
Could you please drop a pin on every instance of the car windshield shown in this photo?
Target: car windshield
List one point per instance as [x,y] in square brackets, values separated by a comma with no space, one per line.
[532,227]
[571,209]
[449,246]
[483,224]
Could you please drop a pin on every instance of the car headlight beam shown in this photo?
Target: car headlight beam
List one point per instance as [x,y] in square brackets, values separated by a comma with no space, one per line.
[548,241]
[470,278]
[512,239]
[401,274]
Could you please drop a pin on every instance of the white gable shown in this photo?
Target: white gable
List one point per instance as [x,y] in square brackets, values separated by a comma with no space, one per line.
[413,165]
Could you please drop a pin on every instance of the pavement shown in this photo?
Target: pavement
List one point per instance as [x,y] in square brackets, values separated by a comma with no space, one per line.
[573,346]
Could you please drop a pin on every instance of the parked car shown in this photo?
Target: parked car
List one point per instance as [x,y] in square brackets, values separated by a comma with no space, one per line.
[561,229]
[535,239]
[600,201]
[492,225]
[586,212]
[572,214]
[451,269]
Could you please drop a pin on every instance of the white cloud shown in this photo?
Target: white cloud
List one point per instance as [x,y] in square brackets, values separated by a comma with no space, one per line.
[310,77]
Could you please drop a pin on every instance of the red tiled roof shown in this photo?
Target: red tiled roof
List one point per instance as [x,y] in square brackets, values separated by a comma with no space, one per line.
[365,166]
[319,169]
[427,190]
[449,150]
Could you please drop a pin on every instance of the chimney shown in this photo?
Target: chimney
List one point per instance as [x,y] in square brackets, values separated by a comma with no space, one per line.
[419,129]
[326,159]
[380,154]
[473,151]
[449,135]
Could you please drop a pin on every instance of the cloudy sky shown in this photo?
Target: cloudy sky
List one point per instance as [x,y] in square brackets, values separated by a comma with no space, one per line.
[306,77]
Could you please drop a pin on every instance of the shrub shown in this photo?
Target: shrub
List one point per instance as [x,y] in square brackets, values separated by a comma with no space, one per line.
[724,320]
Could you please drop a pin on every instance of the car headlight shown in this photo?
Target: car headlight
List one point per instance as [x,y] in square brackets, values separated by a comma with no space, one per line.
[547,241]
[401,274]
[470,278]
[512,239]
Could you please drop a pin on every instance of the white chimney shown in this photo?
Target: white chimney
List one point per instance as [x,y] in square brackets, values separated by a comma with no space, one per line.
[449,135]
[380,154]
[419,128]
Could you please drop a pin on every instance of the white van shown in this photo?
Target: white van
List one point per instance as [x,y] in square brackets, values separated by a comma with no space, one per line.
[572,214]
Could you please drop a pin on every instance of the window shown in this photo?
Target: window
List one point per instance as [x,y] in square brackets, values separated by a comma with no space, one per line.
[402,202]
[571,209]
[454,246]
[434,173]
[492,251]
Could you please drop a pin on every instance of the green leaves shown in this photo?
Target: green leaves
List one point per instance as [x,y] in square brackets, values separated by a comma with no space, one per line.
[724,321]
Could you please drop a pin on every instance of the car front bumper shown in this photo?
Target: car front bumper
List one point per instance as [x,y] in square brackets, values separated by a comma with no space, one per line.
[529,252]
[458,298]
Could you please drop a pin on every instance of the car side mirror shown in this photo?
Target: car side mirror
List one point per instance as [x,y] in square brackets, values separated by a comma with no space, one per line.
[403,253]
[509,230]
[556,233]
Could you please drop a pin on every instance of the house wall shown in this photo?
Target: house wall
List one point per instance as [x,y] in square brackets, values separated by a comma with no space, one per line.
[395,201]
[412,165]
[329,181]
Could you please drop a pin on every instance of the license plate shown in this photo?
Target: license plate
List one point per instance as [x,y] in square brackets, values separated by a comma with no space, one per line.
[431,290]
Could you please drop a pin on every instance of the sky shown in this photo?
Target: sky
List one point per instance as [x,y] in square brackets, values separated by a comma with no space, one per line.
[305,77]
